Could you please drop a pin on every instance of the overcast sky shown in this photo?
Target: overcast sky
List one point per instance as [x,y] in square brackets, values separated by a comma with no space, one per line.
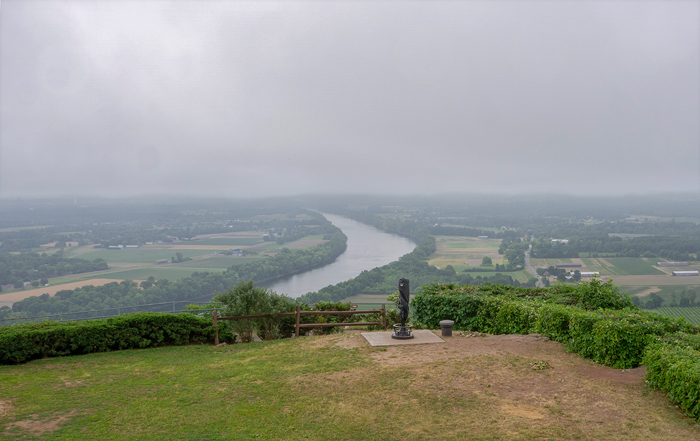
[233,98]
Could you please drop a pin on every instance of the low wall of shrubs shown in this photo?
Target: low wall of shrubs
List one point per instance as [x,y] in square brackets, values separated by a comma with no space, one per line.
[21,343]
[620,338]
[673,365]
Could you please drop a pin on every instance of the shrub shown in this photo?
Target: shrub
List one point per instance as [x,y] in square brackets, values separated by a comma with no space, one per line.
[246,299]
[615,337]
[674,367]
[21,343]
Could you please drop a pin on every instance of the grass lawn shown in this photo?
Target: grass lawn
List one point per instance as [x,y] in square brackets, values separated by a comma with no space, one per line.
[335,388]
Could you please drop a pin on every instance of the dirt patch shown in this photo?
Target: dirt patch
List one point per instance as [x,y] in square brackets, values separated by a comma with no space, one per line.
[647,291]
[626,376]
[5,408]
[520,386]
[38,426]
[605,262]
[522,411]
[351,340]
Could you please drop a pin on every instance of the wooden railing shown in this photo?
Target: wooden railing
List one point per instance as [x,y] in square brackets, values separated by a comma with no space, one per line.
[298,313]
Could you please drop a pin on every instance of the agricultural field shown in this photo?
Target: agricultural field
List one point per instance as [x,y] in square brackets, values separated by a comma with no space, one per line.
[144,254]
[608,266]
[213,262]
[690,313]
[226,241]
[462,252]
[155,271]
[8,298]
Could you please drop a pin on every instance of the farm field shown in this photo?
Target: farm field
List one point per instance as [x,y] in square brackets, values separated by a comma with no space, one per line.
[609,266]
[226,241]
[464,252]
[655,280]
[155,271]
[336,388]
[7,299]
[141,255]
[213,262]
[691,314]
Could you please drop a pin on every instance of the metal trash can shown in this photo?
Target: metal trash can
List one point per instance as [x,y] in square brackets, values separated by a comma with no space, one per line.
[446,326]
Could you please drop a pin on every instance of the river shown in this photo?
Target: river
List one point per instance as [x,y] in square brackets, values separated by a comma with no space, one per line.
[368,248]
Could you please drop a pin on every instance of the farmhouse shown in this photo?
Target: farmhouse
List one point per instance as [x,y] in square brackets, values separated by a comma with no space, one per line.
[685,273]
[162,261]
[132,246]
[590,273]
[671,263]
[483,237]
[567,265]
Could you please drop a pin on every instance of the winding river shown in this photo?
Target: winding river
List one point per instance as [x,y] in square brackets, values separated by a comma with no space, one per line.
[368,247]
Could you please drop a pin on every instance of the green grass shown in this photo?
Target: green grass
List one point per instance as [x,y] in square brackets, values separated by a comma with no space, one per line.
[472,242]
[140,255]
[634,266]
[158,273]
[691,314]
[311,388]
[195,392]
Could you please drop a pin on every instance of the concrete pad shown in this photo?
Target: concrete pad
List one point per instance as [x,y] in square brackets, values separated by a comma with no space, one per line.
[384,338]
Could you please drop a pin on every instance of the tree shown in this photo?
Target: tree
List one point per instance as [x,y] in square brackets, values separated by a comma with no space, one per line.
[577,275]
[44,281]
[486,261]
[148,282]
[35,283]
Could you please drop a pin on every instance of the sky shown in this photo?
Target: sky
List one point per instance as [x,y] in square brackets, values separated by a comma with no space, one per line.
[263,98]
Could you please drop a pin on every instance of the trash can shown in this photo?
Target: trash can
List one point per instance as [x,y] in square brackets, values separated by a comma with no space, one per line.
[446,326]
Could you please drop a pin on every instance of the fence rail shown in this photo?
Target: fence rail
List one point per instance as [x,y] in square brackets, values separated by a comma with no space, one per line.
[172,307]
[298,313]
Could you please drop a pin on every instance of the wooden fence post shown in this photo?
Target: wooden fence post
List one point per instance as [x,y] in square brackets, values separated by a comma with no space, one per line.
[384,316]
[296,331]
[214,322]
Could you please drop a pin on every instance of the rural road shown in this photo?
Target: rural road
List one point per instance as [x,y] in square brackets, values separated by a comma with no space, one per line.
[532,270]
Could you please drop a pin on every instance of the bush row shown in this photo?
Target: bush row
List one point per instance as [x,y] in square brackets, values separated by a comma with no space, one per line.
[614,337]
[21,343]
[673,365]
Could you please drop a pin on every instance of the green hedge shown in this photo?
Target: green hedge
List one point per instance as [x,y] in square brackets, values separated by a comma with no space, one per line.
[615,338]
[21,343]
[674,367]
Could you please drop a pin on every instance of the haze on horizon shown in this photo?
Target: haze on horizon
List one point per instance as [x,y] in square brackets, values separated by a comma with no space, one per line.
[239,99]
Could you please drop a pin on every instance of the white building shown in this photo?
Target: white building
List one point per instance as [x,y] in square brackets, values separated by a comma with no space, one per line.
[685,273]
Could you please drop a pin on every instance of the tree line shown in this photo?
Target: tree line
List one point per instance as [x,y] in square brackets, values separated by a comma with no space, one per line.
[198,285]
[26,267]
